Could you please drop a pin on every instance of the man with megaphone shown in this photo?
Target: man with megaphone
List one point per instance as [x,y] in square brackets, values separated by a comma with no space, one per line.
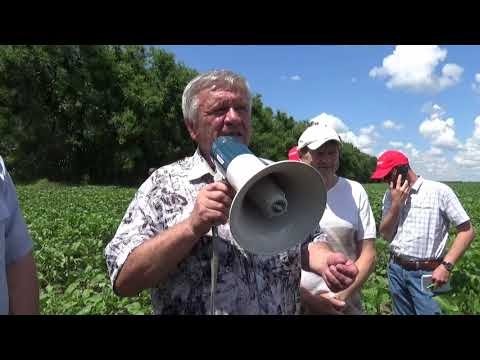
[234,246]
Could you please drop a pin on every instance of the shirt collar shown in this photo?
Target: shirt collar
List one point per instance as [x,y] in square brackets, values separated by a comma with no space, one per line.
[417,184]
[199,167]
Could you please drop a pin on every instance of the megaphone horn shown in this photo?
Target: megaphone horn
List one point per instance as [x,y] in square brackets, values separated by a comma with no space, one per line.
[276,206]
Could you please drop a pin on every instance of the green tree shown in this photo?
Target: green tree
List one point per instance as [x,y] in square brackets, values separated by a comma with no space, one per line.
[106,114]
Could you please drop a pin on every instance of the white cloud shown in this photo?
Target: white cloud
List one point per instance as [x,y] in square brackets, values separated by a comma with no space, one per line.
[439,132]
[365,140]
[433,167]
[407,148]
[430,164]
[427,107]
[438,164]
[469,156]
[389,124]
[434,151]
[435,162]
[476,133]
[476,84]
[412,67]
[330,120]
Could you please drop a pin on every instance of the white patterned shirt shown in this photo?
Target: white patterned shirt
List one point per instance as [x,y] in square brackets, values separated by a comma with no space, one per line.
[425,219]
[246,283]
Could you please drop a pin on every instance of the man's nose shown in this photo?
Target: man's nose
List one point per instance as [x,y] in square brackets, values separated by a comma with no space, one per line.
[232,116]
[324,162]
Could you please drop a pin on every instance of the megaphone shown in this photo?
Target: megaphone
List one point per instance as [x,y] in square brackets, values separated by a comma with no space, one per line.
[276,206]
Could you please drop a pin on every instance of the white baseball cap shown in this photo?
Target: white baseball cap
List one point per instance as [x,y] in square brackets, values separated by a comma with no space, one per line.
[317,135]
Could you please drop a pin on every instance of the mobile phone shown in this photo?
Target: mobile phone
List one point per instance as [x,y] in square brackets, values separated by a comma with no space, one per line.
[428,285]
[396,172]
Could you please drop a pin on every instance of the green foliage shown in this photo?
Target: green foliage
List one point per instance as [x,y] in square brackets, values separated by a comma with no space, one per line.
[106,114]
[70,227]
[102,113]
[273,135]
[356,165]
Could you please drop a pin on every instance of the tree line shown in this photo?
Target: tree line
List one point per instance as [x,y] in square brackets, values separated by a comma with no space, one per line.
[106,114]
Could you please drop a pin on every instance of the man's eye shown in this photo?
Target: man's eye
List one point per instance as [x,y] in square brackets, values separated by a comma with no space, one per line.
[219,111]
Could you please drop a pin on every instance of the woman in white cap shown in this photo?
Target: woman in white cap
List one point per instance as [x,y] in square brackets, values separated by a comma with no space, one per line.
[348,221]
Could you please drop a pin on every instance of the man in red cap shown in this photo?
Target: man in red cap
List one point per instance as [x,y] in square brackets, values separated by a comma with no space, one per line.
[416,216]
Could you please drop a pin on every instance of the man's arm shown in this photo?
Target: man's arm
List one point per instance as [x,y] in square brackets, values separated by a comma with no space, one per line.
[365,264]
[23,289]
[465,236]
[150,263]
[450,206]
[461,243]
[337,270]
[315,252]
[389,223]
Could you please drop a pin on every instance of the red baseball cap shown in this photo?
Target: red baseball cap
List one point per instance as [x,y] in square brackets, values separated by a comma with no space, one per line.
[386,162]
[293,154]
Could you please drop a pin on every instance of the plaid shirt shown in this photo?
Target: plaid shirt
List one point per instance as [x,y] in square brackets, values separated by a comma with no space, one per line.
[246,283]
[425,219]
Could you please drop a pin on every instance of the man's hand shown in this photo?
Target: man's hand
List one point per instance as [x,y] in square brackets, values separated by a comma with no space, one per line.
[334,304]
[340,272]
[326,304]
[211,207]
[399,191]
[440,276]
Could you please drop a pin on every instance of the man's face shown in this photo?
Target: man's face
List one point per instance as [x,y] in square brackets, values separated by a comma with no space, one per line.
[325,159]
[220,112]
[388,179]
[393,175]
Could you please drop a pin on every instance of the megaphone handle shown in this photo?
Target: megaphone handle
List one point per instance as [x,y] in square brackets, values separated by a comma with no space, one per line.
[213,269]
[214,261]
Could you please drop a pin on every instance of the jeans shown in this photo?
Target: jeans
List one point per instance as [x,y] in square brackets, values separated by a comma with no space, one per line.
[407,294]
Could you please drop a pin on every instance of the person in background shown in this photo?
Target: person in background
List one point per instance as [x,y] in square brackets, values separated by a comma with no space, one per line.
[19,289]
[416,216]
[347,221]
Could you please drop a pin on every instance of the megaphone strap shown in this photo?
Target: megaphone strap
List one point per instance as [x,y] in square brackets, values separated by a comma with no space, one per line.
[214,268]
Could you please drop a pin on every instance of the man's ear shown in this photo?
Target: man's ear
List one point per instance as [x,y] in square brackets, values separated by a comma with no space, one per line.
[192,129]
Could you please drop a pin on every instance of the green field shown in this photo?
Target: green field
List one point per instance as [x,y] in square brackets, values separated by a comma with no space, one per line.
[71,225]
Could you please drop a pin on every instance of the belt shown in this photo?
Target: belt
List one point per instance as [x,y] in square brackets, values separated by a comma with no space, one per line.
[428,265]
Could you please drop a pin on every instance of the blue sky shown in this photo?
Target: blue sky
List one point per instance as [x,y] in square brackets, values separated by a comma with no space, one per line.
[422,100]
